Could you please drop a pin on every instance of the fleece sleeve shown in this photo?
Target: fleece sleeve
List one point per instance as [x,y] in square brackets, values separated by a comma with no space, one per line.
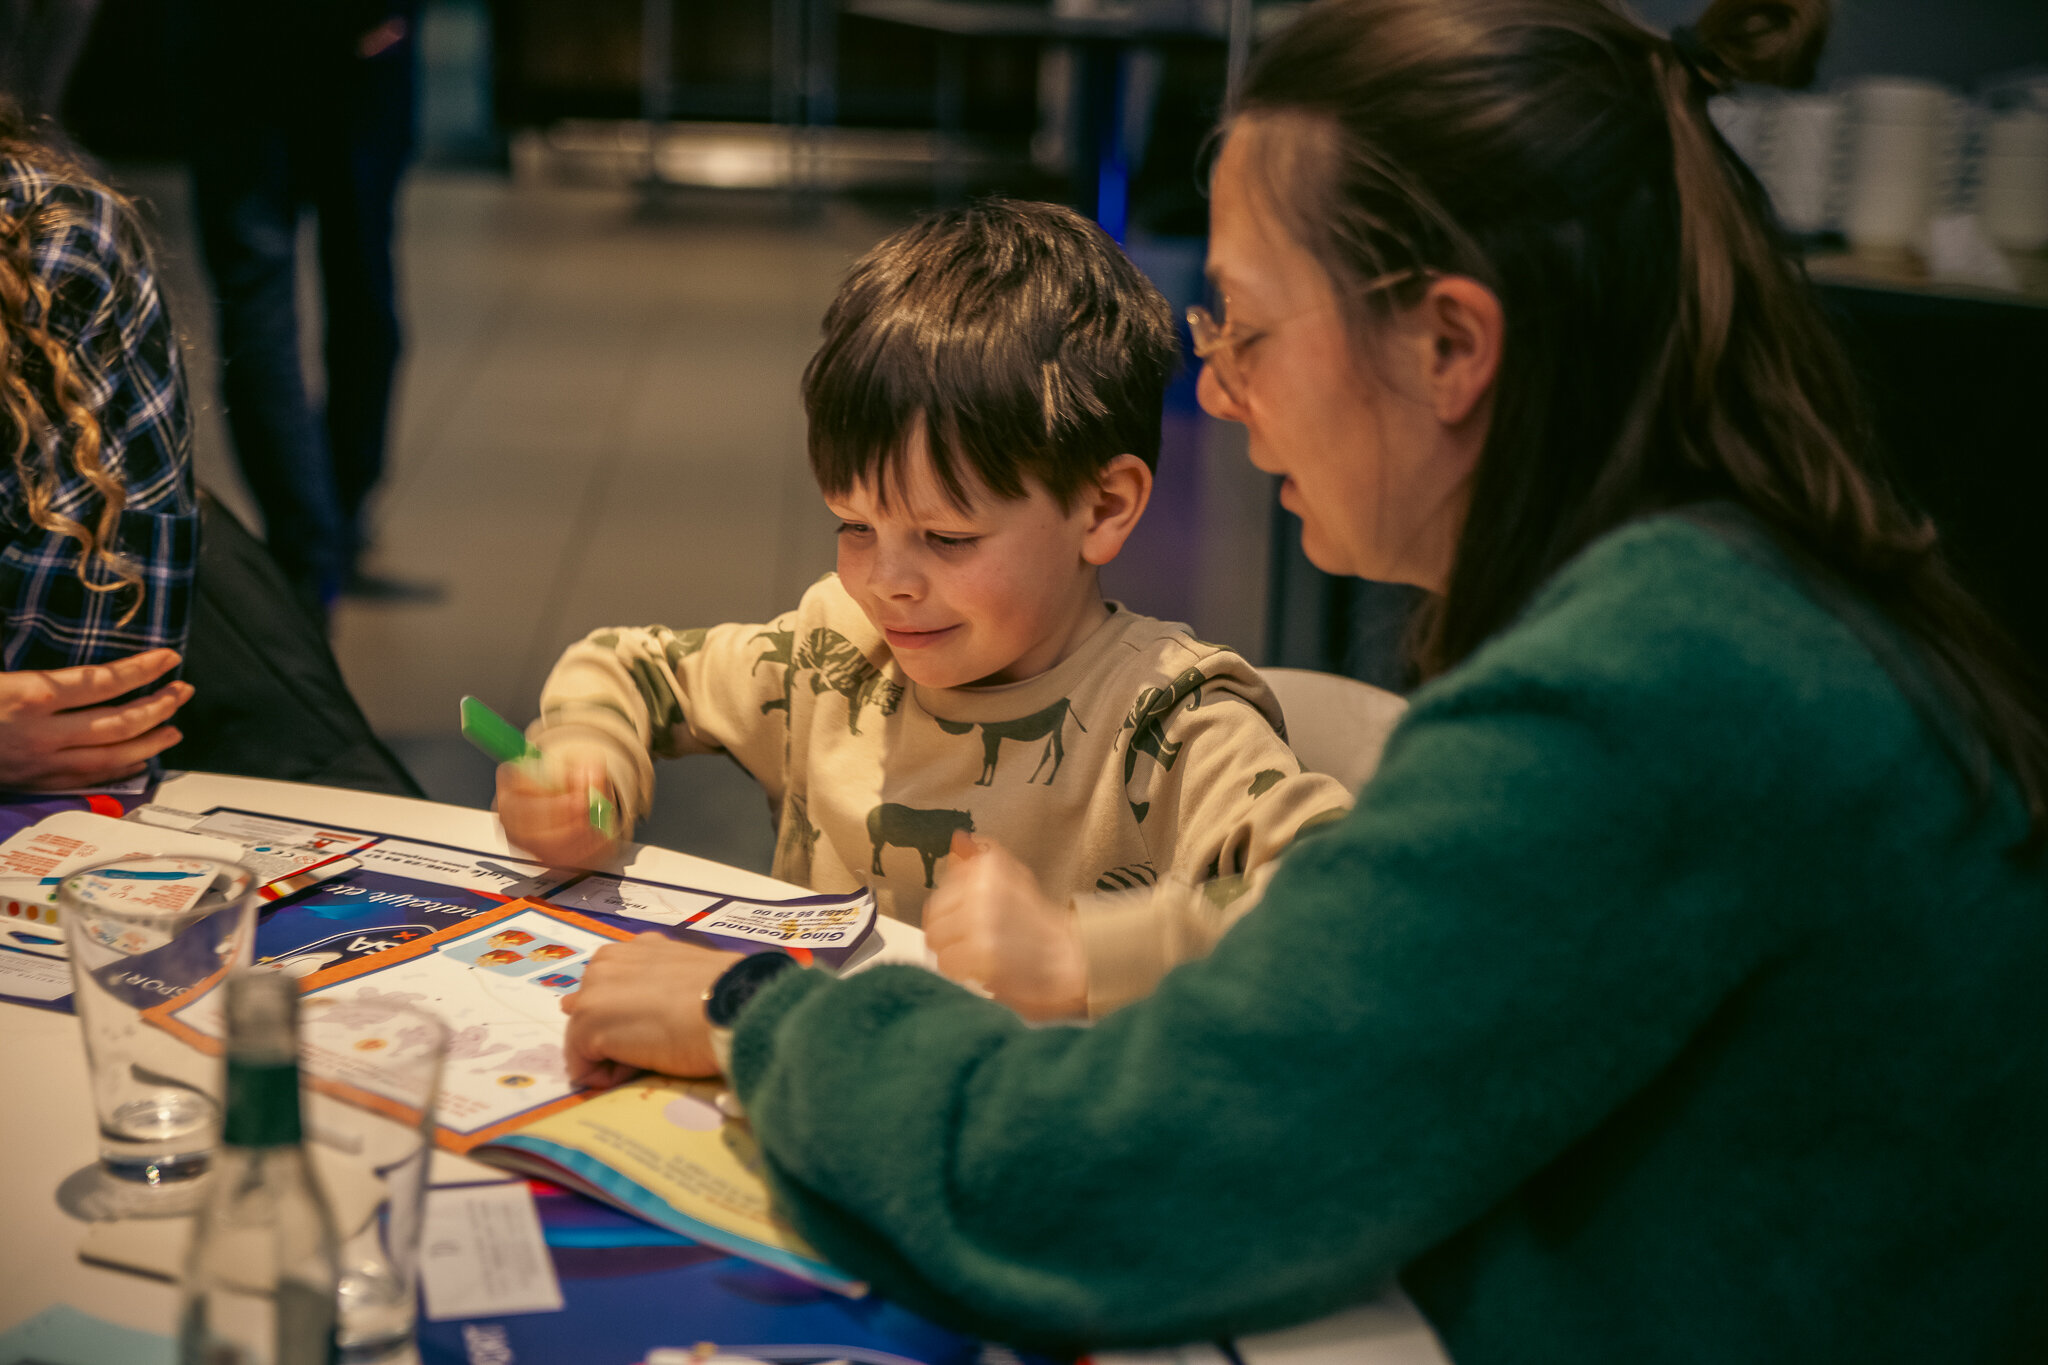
[631,694]
[1521,923]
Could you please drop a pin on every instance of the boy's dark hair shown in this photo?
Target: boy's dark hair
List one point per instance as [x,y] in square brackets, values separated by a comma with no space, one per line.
[1017,333]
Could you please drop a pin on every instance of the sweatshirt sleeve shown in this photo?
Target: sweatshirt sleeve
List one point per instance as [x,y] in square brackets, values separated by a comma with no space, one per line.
[631,694]
[1234,798]
[1541,897]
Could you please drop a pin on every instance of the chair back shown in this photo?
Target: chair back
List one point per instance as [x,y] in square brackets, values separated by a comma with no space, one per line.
[1337,725]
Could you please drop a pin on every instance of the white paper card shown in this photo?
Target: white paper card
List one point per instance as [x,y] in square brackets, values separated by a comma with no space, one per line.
[34,860]
[481,1254]
[637,900]
[798,926]
[31,976]
[452,867]
[245,828]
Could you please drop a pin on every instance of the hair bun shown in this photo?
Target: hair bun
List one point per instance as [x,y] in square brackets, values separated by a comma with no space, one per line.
[1774,42]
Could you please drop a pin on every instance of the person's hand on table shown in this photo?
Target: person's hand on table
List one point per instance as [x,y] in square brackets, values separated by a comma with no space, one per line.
[991,926]
[550,819]
[642,1008]
[57,730]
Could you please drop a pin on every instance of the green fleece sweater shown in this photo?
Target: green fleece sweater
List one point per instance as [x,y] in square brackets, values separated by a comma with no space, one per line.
[1667,997]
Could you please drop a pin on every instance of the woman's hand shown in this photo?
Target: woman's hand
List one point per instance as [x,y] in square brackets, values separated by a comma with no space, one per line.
[992,927]
[551,819]
[642,1008]
[56,731]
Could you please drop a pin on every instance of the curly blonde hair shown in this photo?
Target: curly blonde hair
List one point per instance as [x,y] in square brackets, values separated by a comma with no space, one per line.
[46,399]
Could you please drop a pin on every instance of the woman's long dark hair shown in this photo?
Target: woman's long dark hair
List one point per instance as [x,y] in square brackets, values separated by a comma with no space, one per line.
[1663,348]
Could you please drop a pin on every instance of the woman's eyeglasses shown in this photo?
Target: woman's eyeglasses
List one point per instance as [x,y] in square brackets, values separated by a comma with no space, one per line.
[1223,352]
[1216,348]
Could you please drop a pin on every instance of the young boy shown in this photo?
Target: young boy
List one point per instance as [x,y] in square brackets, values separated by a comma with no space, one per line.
[984,420]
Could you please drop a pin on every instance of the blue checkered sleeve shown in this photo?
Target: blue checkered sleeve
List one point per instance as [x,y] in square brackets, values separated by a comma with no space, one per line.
[104,308]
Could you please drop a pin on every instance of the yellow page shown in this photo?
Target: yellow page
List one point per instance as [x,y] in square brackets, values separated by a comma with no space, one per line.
[669,1137]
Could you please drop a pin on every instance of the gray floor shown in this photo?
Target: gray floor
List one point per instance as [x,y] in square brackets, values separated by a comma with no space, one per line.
[598,423]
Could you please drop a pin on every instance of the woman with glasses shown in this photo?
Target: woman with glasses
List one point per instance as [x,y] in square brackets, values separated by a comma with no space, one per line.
[1675,990]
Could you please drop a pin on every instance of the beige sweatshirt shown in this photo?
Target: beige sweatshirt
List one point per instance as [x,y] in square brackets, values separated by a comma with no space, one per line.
[1143,763]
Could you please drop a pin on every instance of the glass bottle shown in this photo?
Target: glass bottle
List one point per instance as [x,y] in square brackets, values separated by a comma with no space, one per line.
[261,1275]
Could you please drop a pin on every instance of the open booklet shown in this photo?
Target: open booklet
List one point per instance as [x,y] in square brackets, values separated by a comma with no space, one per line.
[655,1147]
[663,1149]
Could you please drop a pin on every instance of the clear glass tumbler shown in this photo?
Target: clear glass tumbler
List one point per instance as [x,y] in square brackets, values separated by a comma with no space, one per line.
[151,940]
[370,1065]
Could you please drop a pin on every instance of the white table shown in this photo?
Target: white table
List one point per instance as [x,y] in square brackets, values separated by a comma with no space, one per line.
[46,1127]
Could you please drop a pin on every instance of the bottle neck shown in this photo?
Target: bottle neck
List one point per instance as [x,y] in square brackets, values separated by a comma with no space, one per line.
[262,1104]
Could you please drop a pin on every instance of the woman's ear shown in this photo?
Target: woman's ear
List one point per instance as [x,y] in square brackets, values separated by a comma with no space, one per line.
[1464,327]
[1111,506]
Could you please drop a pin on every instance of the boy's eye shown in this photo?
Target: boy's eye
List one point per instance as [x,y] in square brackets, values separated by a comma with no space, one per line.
[853,528]
[951,542]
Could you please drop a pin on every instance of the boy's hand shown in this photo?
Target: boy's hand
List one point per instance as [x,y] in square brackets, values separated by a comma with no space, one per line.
[57,731]
[991,926]
[551,820]
[642,1007]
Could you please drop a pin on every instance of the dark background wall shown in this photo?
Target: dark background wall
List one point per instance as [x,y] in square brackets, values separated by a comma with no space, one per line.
[1956,41]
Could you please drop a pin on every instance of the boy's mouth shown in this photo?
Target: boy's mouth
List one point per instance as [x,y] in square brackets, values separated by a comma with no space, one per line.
[916,639]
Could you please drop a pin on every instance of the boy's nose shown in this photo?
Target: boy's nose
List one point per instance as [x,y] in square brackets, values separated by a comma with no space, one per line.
[891,575]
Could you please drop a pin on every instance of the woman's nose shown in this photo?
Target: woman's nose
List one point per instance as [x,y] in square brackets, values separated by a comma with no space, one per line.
[1214,398]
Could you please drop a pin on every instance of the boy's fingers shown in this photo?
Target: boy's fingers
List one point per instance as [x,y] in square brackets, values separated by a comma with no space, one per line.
[91,684]
[965,845]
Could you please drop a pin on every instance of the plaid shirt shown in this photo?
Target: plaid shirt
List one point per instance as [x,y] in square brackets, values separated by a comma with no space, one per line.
[104,308]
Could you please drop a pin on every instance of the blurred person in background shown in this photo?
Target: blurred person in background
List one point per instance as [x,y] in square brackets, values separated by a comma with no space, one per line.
[99,529]
[40,41]
[296,108]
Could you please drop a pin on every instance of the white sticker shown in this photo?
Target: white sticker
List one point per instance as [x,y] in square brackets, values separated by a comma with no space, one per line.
[244,828]
[448,866]
[31,976]
[835,925]
[482,1255]
[636,900]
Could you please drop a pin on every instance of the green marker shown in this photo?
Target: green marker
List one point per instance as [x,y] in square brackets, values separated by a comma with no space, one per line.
[503,742]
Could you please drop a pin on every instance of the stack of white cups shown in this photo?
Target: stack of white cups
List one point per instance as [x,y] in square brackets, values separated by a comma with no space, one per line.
[1898,129]
[2012,180]
[1795,158]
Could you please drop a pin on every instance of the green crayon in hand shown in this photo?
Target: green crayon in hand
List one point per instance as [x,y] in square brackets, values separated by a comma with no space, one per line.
[503,742]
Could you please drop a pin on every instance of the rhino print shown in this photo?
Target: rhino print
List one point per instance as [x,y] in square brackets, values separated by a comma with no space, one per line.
[1046,725]
[1147,724]
[930,832]
[836,663]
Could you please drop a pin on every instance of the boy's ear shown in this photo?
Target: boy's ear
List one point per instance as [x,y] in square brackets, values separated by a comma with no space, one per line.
[1111,507]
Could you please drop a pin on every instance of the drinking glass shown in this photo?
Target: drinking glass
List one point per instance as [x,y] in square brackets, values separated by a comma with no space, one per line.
[370,1068]
[151,938]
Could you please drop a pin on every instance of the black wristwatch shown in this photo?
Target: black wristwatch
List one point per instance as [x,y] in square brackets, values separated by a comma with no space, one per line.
[729,994]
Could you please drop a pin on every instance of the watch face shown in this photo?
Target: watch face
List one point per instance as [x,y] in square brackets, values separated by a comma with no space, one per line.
[736,986]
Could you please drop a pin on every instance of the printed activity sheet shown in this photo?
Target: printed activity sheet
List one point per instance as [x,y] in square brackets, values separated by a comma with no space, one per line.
[338,895]
[497,982]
